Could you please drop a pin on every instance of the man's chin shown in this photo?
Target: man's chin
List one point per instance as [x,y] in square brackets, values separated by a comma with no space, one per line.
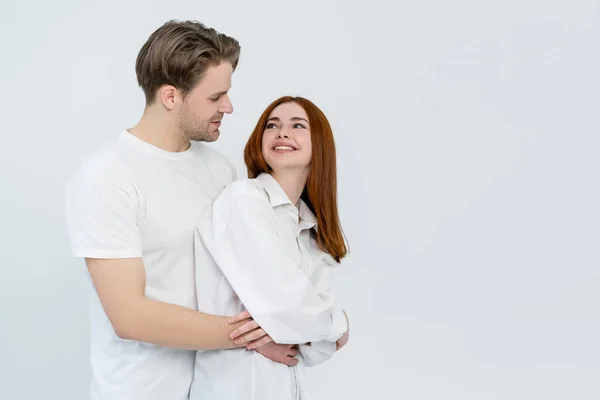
[213,136]
[208,137]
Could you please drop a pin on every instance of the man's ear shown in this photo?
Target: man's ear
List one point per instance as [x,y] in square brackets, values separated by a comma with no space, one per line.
[168,96]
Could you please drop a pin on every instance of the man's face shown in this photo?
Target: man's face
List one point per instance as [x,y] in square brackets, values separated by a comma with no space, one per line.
[203,108]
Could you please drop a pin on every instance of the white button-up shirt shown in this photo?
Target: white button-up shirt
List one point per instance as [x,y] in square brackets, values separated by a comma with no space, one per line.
[254,251]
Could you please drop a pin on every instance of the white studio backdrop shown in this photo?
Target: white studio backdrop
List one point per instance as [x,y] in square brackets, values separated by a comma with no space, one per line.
[467,135]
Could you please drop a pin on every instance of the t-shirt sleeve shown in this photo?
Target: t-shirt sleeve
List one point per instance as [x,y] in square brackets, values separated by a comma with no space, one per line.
[102,218]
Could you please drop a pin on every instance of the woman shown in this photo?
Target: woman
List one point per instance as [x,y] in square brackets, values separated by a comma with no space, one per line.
[267,245]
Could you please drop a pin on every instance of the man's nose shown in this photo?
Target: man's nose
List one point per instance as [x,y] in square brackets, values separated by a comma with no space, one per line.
[226,106]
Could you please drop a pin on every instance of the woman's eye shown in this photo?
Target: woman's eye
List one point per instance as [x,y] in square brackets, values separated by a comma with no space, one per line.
[271,126]
[299,125]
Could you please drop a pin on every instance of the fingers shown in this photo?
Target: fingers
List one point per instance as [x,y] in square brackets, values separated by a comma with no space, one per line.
[289,361]
[280,353]
[292,361]
[240,317]
[258,343]
[342,341]
[339,344]
[254,335]
[247,327]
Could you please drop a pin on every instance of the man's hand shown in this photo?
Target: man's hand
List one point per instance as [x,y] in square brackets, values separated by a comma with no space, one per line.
[249,334]
[281,353]
[120,284]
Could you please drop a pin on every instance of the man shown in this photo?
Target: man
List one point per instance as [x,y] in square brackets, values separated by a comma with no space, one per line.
[131,210]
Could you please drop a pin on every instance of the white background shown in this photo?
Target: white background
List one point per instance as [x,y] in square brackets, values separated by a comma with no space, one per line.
[468,144]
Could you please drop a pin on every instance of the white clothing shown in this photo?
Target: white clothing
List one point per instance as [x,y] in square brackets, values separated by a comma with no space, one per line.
[132,199]
[253,253]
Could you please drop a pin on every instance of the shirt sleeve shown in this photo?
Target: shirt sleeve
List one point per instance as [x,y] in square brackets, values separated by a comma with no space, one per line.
[242,237]
[318,352]
[102,218]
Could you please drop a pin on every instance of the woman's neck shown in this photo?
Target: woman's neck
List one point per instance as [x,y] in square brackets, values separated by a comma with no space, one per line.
[292,182]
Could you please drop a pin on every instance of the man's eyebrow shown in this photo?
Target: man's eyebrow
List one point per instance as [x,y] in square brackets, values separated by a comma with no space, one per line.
[219,94]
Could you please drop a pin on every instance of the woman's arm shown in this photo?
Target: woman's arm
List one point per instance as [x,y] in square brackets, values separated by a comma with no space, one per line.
[240,232]
[318,352]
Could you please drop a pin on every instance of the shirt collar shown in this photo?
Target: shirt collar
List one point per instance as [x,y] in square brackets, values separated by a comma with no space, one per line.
[308,219]
[277,197]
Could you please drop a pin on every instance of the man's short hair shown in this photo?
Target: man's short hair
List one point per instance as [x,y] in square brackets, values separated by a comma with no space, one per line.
[179,54]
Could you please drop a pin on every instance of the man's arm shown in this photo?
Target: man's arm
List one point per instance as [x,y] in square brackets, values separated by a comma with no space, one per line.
[103,208]
[120,284]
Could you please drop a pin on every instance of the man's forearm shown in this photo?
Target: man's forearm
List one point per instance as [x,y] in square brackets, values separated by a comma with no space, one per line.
[178,327]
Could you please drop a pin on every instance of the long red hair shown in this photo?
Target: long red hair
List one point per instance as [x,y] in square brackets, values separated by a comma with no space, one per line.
[320,193]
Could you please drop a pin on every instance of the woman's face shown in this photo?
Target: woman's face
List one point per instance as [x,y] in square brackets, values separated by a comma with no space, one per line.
[286,139]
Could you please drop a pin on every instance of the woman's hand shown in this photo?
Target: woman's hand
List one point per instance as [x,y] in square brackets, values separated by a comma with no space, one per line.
[281,353]
[344,339]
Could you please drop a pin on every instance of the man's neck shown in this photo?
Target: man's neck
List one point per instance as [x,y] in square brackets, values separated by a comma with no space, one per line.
[159,131]
[292,182]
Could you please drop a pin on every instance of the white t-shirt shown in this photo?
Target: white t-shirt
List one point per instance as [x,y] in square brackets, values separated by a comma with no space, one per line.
[132,199]
[256,250]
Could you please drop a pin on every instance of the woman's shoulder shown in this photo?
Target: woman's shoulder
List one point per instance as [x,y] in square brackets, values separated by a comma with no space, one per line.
[240,190]
[241,200]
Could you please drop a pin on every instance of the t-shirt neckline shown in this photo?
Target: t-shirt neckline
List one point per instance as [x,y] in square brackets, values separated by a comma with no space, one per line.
[153,150]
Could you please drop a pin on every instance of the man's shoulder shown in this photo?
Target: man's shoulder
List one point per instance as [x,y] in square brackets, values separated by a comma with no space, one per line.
[103,165]
[218,168]
[209,153]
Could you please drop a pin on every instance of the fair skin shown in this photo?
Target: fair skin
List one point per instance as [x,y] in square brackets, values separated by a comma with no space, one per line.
[287,149]
[171,122]
[176,119]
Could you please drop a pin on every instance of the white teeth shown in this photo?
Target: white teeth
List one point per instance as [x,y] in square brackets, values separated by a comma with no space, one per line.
[283,148]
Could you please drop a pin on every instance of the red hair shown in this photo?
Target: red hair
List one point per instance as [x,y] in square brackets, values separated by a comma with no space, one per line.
[320,192]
